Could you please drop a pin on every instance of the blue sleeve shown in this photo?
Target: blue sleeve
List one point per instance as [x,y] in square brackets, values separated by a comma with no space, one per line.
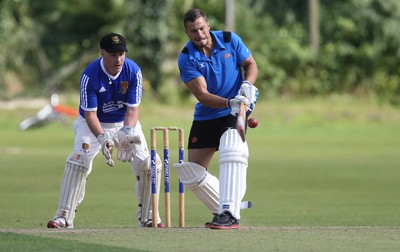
[88,97]
[187,69]
[135,93]
[243,53]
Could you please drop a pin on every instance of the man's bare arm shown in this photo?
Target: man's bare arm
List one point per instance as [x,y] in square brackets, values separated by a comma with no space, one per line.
[198,87]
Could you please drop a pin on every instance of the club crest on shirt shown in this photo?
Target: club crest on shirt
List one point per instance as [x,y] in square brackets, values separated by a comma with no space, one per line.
[124,87]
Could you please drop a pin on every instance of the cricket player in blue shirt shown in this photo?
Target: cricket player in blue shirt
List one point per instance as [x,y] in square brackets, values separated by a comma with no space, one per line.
[110,95]
[211,66]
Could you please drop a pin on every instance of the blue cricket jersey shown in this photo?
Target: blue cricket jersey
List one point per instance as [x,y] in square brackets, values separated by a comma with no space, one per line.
[222,71]
[110,95]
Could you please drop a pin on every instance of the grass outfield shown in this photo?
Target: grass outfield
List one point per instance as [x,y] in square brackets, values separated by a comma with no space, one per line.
[323,176]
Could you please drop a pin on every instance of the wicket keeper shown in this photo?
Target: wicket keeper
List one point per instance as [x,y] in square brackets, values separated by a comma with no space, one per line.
[110,95]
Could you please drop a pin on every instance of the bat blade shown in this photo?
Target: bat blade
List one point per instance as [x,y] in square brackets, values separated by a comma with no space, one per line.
[241,122]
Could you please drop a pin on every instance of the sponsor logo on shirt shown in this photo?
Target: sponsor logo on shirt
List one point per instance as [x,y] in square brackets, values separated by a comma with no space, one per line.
[111,106]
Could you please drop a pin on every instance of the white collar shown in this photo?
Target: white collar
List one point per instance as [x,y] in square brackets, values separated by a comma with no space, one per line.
[112,77]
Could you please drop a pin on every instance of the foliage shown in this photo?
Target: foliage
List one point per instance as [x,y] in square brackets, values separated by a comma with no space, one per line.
[358,53]
[146,26]
[16,28]
[360,49]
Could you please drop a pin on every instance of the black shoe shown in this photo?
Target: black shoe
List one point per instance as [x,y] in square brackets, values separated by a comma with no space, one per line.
[211,223]
[225,220]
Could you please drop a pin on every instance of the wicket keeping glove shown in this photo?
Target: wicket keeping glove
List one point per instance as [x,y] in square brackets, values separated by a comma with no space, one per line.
[126,143]
[107,145]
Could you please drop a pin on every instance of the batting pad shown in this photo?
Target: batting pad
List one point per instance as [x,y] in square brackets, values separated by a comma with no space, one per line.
[72,186]
[143,187]
[233,161]
[204,185]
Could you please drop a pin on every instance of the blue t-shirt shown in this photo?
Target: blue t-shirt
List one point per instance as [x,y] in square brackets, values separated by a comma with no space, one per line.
[110,95]
[222,71]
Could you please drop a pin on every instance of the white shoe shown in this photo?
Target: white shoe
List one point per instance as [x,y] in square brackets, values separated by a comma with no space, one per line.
[58,222]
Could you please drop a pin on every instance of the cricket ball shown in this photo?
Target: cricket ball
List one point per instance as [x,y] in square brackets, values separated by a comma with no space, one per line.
[252,122]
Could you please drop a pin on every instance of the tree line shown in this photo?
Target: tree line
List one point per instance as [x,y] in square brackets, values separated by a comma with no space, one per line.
[45,45]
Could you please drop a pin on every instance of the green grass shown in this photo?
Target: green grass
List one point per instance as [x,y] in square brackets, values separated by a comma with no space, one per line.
[323,176]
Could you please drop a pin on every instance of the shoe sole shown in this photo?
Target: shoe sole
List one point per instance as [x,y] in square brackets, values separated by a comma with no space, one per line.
[159,225]
[234,226]
[209,225]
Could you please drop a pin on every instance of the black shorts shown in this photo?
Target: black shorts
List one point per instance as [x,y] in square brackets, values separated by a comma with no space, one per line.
[207,133]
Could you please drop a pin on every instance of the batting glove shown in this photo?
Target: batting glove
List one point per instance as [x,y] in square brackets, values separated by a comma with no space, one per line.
[249,91]
[234,104]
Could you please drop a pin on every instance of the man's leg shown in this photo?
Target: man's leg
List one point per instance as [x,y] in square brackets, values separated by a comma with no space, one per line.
[143,190]
[233,162]
[203,184]
[72,189]
[141,166]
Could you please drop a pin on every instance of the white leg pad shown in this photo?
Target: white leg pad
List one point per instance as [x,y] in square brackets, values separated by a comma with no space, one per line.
[233,161]
[204,185]
[72,185]
[143,187]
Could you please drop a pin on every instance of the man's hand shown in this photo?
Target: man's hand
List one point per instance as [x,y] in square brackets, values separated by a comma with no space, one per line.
[249,91]
[235,103]
[126,143]
[107,145]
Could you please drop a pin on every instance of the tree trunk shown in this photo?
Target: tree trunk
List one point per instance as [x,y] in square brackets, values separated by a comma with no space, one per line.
[229,15]
[313,6]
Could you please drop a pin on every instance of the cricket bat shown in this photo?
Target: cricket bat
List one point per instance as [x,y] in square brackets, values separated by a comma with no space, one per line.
[241,122]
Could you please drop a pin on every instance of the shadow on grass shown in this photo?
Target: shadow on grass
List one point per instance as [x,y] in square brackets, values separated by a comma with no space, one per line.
[20,242]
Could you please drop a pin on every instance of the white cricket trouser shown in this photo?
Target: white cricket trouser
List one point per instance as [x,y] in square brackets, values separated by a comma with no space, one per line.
[77,187]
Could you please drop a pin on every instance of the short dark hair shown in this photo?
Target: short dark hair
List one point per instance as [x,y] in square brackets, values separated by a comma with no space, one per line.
[192,15]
